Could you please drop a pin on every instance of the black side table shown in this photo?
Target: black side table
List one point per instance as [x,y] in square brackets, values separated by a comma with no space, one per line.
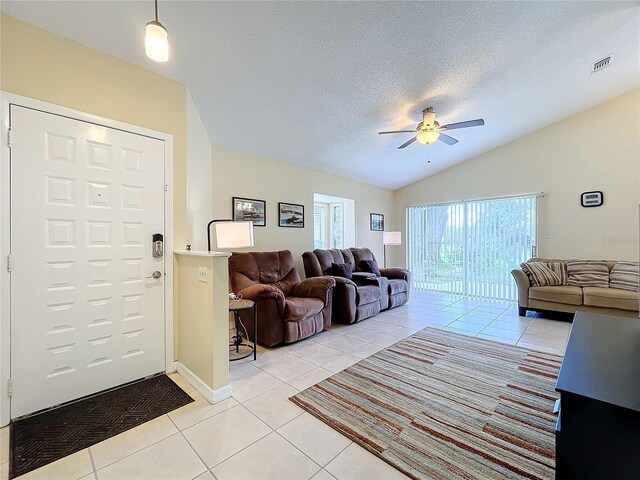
[236,306]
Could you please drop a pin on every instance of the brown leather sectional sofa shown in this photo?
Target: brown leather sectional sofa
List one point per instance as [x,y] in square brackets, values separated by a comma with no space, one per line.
[353,300]
[290,309]
[365,294]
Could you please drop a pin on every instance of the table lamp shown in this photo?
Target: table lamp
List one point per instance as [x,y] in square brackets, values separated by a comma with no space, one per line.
[230,234]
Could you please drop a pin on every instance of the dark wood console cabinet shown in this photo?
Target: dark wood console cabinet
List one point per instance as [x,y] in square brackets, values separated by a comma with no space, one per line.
[598,429]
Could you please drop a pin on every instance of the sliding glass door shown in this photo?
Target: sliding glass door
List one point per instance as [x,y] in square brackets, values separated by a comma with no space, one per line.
[469,248]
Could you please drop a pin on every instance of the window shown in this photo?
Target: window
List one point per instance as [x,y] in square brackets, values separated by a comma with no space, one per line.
[334,221]
[320,225]
[328,225]
[469,248]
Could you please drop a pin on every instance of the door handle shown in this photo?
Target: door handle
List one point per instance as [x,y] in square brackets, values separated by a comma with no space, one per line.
[156,275]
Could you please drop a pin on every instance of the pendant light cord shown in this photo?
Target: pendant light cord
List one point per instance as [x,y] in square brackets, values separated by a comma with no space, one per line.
[156,1]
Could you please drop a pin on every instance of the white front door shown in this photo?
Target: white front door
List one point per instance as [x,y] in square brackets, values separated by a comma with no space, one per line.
[86,201]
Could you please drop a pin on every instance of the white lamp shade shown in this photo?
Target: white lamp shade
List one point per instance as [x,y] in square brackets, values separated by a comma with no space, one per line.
[156,42]
[234,234]
[391,238]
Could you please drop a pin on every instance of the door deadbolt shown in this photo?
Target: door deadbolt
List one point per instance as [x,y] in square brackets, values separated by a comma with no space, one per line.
[156,275]
[158,239]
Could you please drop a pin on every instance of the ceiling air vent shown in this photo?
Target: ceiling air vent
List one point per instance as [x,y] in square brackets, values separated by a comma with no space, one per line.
[601,64]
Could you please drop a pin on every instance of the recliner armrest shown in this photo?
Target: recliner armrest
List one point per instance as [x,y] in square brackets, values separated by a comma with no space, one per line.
[316,287]
[395,273]
[343,281]
[523,284]
[261,291]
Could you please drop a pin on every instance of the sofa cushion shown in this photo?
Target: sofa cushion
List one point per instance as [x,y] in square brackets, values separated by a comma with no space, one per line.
[611,298]
[560,269]
[559,294]
[367,310]
[370,266]
[540,274]
[368,294]
[588,273]
[398,299]
[397,286]
[297,308]
[624,276]
[344,270]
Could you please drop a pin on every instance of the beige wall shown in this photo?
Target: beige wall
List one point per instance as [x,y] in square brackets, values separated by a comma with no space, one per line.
[38,64]
[238,174]
[203,343]
[598,149]
[198,191]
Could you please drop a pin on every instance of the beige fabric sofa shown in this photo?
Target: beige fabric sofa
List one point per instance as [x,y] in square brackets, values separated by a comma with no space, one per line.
[565,298]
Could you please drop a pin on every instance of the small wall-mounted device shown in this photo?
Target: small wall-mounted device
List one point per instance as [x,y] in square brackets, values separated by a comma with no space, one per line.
[157,245]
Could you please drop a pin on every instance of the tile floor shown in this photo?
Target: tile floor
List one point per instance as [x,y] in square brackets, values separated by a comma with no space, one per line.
[259,433]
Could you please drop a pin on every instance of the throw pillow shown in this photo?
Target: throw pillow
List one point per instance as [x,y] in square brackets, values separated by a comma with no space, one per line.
[588,273]
[540,275]
[560,269]
[370,266]
[625,276]
[344,270]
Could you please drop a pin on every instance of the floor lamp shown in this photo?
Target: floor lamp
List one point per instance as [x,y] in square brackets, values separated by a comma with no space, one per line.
[390,238]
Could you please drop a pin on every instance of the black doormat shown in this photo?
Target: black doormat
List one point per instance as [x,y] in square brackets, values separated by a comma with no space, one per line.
[51,435]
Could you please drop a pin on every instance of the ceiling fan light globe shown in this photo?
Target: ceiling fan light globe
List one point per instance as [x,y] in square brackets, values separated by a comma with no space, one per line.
[428,136]
[156,42]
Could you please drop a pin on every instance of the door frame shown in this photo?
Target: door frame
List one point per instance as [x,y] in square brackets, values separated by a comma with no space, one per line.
[6,100]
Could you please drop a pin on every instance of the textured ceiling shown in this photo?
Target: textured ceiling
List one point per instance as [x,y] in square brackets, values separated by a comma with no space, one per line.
[311,83]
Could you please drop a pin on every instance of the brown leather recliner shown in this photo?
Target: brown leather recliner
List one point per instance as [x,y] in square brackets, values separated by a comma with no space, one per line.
[288,309]
[353,300]
[399,279]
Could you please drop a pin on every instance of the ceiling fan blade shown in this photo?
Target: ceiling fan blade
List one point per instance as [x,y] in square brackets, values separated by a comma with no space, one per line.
[397,131]
[469,123]
[447,139]
[406,144]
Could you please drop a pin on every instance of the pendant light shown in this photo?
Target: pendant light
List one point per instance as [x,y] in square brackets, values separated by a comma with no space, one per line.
[155,41]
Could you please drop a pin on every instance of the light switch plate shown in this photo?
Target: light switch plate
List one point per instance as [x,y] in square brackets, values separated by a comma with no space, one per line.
[202,274]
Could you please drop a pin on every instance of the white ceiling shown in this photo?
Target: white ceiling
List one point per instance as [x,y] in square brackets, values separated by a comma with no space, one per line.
[311,83]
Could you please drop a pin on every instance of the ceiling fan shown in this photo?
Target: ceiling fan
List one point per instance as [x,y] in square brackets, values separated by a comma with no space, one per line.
[428,130]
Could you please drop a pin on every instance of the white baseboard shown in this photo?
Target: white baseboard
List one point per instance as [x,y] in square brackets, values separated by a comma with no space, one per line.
[222,394]
[212,396]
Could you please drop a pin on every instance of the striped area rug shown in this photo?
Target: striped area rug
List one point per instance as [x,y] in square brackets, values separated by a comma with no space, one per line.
[441,405]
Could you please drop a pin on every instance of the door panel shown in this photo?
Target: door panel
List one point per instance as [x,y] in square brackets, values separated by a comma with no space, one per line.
[85,203]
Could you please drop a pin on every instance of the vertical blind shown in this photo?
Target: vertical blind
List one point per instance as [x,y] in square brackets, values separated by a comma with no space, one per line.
[469,248]
[319,226]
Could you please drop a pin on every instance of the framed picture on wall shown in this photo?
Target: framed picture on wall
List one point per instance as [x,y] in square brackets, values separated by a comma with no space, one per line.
[591,199]
[249,209]
[377,222]
[290,215]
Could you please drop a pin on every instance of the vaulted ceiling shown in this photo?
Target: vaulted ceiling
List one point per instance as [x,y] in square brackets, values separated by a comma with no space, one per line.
[311,83]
